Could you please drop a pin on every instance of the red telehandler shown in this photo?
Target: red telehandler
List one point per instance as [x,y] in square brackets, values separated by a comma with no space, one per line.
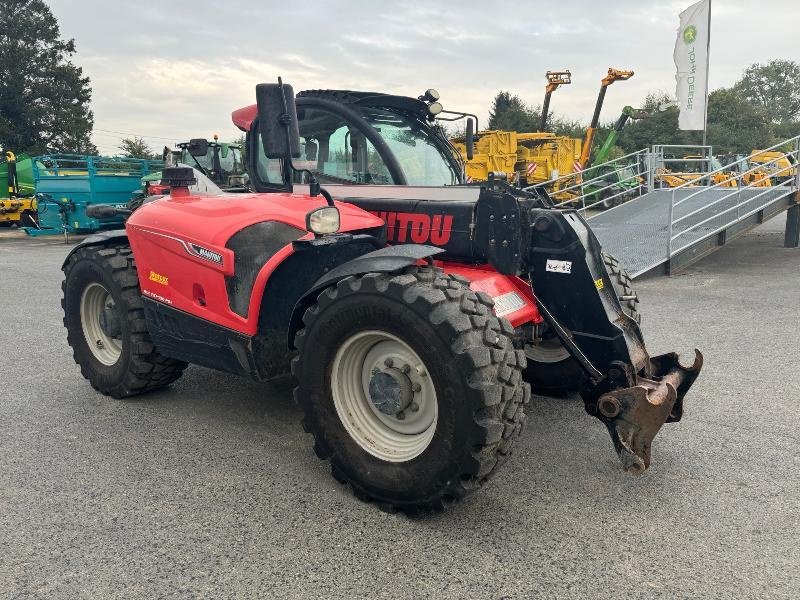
[403,305]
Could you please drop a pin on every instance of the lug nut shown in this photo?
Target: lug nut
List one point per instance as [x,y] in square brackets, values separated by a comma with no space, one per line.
[401,415]
[405,369]
[375,370]
[389,363]
[416,388]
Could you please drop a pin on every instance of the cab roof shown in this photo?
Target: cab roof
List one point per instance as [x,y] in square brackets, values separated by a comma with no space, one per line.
[243,118]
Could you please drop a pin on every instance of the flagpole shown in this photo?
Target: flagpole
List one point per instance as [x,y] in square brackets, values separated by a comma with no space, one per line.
[708,61]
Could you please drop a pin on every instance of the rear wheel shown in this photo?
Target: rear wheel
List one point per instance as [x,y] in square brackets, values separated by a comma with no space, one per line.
[551,370]
[608,199]
[105,323]
[410,386]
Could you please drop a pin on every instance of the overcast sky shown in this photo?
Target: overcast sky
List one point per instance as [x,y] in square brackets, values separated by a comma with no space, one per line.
[170,70]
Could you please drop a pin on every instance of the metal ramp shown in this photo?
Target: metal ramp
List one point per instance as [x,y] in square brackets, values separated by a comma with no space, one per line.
[638,232]
[668,229]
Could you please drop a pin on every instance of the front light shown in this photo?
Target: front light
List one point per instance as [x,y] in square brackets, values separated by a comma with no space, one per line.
[435,108]
[323,220]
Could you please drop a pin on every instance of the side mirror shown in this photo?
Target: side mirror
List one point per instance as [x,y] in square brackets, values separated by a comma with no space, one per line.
[198,147]
[469,139]
[277,119]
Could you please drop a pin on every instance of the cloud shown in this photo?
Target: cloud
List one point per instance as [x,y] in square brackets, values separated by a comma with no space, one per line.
[177,69]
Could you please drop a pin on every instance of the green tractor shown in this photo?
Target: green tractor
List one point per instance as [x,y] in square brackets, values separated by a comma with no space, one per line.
[611,184]
[221,162]
[218,167]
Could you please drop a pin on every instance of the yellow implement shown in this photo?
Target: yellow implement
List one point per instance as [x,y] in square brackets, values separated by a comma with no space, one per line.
[16,209]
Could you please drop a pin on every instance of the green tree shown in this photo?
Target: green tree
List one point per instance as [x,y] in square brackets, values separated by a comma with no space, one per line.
[774,86]
[735,124]
[44,97]
[509,113]
[136,148]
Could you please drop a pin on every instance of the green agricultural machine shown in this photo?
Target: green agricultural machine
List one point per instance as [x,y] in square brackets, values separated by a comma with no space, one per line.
[611,184]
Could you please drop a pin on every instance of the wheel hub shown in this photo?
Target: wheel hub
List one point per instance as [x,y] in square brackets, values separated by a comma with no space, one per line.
[384,395]
[110,323]
[101,324]
[390,391]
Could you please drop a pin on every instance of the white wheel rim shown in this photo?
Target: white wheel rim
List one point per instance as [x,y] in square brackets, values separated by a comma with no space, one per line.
[390,437]
[94,300]
[549,350]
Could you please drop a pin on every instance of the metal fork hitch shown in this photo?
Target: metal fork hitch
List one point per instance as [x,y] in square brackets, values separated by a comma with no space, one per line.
[634,415]
[633,393]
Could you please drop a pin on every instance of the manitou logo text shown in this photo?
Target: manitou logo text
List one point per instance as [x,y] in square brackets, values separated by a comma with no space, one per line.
[206,254]
[416,228]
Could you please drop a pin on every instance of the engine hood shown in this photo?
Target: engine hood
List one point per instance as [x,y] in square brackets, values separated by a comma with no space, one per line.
[214,219]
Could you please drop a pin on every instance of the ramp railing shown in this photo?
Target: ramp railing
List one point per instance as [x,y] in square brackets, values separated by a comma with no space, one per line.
[606,184]
[774,183]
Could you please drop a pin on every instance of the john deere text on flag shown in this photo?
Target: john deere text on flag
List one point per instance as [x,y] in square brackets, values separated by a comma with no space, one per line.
[691,61]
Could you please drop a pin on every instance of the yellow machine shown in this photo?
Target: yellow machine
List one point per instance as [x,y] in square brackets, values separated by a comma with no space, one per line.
[612,76]
[19,208]
[526,158]
[777,165]
[741,174]
[533,158]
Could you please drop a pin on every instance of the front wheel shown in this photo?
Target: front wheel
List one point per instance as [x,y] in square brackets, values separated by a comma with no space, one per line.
[551,370]
[410,386]
[105,323]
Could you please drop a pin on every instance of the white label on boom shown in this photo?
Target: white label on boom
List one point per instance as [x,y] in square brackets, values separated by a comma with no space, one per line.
[558,266]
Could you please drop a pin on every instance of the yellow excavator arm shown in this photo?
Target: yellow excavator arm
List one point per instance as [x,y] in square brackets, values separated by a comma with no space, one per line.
[612,76]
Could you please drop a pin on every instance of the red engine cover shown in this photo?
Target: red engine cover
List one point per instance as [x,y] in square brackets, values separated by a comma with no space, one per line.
[179,245]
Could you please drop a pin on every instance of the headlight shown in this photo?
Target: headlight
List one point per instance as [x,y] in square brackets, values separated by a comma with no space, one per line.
[435,108]
[323,220]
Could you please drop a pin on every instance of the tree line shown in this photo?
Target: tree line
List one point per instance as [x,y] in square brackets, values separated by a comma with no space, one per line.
[761,109]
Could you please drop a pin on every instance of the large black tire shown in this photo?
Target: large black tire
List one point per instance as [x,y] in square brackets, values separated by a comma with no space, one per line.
[473,367]
[138,367]
[550,370]
[623,286]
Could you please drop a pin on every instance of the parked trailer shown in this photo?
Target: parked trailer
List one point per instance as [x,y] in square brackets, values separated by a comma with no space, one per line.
[66,184]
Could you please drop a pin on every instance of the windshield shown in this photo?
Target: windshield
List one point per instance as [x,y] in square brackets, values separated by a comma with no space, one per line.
[230,159]
[336,150]
[420,154]
[627,174]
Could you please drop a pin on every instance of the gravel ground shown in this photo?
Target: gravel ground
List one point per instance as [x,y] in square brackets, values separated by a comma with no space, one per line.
[210,488]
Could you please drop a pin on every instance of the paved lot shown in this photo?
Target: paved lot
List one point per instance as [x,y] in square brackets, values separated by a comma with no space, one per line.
[210,489]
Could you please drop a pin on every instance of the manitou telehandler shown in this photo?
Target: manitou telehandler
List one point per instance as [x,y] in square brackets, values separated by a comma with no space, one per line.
[403,308]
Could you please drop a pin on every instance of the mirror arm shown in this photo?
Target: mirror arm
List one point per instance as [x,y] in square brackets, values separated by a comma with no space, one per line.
[313,185]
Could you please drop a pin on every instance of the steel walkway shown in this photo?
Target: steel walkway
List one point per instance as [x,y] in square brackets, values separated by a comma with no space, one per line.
[638,232]
[683,218]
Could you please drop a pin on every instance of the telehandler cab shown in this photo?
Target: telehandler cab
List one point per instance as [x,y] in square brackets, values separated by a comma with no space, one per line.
[403,308]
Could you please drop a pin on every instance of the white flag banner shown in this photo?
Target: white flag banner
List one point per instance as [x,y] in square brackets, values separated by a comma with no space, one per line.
[691,61]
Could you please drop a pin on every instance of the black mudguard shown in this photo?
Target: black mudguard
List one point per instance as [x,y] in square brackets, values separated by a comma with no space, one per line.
[98,239]
[390,259]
